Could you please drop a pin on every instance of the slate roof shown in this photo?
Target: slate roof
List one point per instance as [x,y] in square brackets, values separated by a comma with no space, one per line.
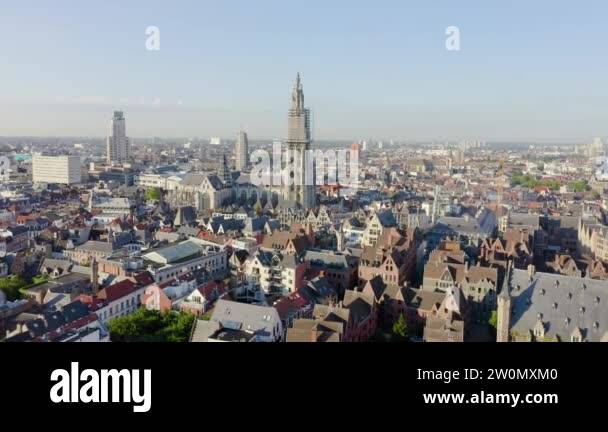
[242,316]
[562,303]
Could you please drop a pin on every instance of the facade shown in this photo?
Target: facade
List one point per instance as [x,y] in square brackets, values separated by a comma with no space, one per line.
[393,258]
[375,226]
[276,272]
[119,299]
[171,262]
[339,269]
[242,151]
[593,239]
[478,285]
[302,189]
[355,319]
[56,169]
[118,144]
[515,246]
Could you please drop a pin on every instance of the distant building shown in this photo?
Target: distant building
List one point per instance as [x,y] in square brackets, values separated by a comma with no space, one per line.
[118,144]
[242,151]
[56,169]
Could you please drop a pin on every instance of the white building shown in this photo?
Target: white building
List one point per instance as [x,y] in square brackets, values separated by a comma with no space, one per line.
[56,169]
[242,151]
[170,262]
[109,208]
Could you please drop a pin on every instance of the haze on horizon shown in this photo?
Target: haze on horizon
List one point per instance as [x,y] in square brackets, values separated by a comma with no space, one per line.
[525,72]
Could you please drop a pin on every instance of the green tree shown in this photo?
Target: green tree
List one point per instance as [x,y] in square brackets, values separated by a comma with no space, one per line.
[579,185]
[153,194]
[11,285]
[400,329]
[493,320]
[151,326]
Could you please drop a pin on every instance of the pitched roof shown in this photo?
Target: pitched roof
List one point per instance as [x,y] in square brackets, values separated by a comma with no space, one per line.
[562,303]
[118,290]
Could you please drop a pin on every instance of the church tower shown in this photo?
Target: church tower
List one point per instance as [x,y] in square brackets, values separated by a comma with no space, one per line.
[94,276]
[340,238]
[226,174]
[298,143]
[504,309]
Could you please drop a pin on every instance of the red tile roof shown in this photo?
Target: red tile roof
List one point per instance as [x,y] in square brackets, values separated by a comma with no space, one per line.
[144,278]
[293,302]
[118,290]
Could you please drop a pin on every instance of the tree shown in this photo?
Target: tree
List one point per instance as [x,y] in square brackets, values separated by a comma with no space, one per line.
[493,320]
[11,286]
[151,326]
[400,330]
[153,194]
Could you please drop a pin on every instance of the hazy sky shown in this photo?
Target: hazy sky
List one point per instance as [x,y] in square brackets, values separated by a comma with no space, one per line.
[527,70]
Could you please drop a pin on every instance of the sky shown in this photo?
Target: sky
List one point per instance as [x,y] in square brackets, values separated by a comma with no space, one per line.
[525,71]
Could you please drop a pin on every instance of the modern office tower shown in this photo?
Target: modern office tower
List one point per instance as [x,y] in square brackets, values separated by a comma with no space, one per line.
[119,147]
[301,190]
[242,151]
[56,169]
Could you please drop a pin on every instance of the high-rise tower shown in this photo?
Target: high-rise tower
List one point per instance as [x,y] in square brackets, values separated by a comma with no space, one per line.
[118,145]
[301,189]
[242,151]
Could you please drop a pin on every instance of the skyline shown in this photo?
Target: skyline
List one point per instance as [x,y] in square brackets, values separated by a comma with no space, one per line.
[525,72]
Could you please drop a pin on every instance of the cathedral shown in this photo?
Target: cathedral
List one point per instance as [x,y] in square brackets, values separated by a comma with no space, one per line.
[300,190]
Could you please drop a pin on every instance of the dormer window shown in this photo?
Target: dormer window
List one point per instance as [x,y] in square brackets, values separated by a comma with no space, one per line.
[539,330]
[554,306]
[569,296]
[567,321]
[597,300]
[542,291]
[596,325]
[582,310]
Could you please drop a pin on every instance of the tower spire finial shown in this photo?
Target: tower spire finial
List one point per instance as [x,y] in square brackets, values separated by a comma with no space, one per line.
[297,97]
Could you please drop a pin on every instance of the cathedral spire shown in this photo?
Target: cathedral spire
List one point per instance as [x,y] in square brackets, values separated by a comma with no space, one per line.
[297,96]
[226,174]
